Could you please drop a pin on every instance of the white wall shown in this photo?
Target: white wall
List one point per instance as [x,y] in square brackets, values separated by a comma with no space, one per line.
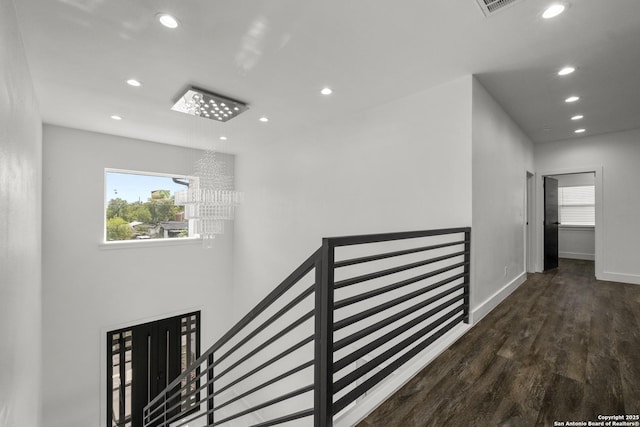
[618,154]
[575,179]
[405,165]
[502,155]
[20,241]
[89,289]
[576,242]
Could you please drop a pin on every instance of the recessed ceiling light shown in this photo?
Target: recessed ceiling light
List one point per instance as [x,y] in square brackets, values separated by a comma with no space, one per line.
[579,130]
[168,20]
[326,91]
[264,119]
[223,138]
[578,117]
[553,11]
[566,70]
[134,82]
[572,99]
[114,117]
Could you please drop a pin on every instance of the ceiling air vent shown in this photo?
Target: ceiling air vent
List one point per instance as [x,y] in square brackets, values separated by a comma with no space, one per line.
[490,7]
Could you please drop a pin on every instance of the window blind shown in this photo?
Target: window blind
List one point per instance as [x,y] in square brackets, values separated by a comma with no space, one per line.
[577,205]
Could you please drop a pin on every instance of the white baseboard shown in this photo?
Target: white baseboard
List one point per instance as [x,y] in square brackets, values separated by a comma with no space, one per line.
[633,279]
[386,389]
[492,302]
[577,255]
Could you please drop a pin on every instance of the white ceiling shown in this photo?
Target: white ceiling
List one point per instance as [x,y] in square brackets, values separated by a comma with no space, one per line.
[276,55]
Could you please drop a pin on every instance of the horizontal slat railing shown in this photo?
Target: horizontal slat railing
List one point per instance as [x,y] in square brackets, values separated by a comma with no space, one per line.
[370,258]
[377,274]
[368,348]
[390,302]
[389,369]
[347,318]
[238,376]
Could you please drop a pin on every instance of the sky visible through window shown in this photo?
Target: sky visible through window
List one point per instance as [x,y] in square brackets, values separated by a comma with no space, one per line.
[134,188]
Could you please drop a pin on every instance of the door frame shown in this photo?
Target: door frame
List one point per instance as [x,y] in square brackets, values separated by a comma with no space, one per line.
[529,222]
[155,350]
[102,347]
[599,208]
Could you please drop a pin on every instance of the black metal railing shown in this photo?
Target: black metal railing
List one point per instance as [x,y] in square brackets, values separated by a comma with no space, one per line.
[353,313]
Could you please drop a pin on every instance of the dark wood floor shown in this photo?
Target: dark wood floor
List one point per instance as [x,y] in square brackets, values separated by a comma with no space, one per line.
[562,347]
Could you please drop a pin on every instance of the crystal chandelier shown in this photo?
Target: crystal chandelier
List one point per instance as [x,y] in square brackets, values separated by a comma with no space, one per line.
[210,199]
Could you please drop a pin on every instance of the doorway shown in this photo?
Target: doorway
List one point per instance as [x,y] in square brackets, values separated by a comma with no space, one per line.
[574,227]
[143,359]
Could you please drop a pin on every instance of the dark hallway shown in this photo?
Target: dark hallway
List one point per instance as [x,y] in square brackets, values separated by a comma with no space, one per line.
[563,347]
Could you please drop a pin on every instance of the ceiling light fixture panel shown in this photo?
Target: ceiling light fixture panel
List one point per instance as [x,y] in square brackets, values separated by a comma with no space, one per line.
[208,105]
[489,7]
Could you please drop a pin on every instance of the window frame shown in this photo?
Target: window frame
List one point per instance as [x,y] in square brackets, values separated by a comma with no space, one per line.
[112,244]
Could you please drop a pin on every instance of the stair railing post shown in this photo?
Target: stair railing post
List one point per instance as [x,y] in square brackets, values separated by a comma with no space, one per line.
[467,275]
[210,390]
[323,391]
[164,410]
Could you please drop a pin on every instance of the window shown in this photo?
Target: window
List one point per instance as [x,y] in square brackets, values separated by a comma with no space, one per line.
[577,205]
[143,360]
[140,206]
